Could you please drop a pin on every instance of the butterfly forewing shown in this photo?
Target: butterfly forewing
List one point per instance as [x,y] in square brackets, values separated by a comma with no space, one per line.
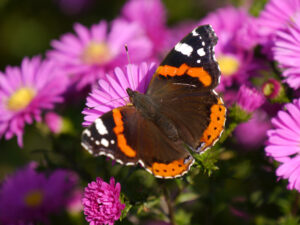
[183,87]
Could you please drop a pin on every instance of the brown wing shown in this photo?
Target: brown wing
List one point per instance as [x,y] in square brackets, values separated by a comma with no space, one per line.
[124,135]
[183,88]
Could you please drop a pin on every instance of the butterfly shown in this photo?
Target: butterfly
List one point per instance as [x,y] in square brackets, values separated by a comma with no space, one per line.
[180,108]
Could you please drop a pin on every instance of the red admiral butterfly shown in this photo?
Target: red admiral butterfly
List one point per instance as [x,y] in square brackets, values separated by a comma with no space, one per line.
[179,108]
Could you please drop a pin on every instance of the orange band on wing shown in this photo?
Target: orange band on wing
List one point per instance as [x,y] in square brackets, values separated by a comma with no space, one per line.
[197,72]
[121,140]
[216,125]
[202,75]
[175,168]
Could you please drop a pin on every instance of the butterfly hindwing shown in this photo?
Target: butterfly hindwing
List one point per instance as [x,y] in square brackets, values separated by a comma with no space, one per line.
[126,136]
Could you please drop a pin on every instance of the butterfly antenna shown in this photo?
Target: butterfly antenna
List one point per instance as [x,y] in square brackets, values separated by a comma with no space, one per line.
[112,100]
[130,66]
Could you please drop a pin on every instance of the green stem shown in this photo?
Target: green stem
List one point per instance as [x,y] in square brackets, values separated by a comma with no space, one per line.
[170,205]
[227,132]
[296,205]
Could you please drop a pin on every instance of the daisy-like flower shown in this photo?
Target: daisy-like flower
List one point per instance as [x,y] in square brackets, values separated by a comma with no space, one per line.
[151,15]
[30,196]
[111,92]
[91,53]
[276,15]
[25,91]
[234,53]
[101,202]
[286,52]
[283,144]
[249,99]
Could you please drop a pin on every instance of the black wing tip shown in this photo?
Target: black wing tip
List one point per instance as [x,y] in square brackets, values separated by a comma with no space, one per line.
[207,30]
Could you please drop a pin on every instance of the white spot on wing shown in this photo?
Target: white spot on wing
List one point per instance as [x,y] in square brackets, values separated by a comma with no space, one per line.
[104,142]
[110,156]
[87,132]
[201,52]
[184,48]
[194,32]
[100,126]
[84,145]
[119,161]
[112,141]
[141,163]
[198,61]
[97,142]
[87,148]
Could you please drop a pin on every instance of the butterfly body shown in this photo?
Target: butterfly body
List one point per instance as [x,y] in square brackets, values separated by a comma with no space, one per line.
[180,108]
[149,109]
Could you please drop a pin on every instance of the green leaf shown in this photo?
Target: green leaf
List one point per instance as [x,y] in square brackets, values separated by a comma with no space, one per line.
[186,197]
[182,217]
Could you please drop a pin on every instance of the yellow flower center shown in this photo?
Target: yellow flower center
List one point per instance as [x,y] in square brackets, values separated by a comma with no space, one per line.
[34,198]
[96,53]
[229,65]
[20,99]
[268,89]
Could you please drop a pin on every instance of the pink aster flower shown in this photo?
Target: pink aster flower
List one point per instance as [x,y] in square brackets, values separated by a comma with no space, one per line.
[111,92]
[179,31]
[151,15]
[276,15]
[234,51]
[286,52]
[30,196]
[101,202]
[283,144]
[249,99]
[91,53]
[25,91]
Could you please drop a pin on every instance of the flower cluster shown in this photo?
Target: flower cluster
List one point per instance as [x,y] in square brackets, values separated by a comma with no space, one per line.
[101,202]
[29,196]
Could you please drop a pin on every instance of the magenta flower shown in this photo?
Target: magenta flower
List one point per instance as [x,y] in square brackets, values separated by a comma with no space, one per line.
[112,90]
[91,53]
[283,144]
[178,32]
[30,196]
[276,15]
[234,52]
[249,99]
[25,91]
[101,202]
[253,133]
[287,53]
[151,15]
[271,88]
